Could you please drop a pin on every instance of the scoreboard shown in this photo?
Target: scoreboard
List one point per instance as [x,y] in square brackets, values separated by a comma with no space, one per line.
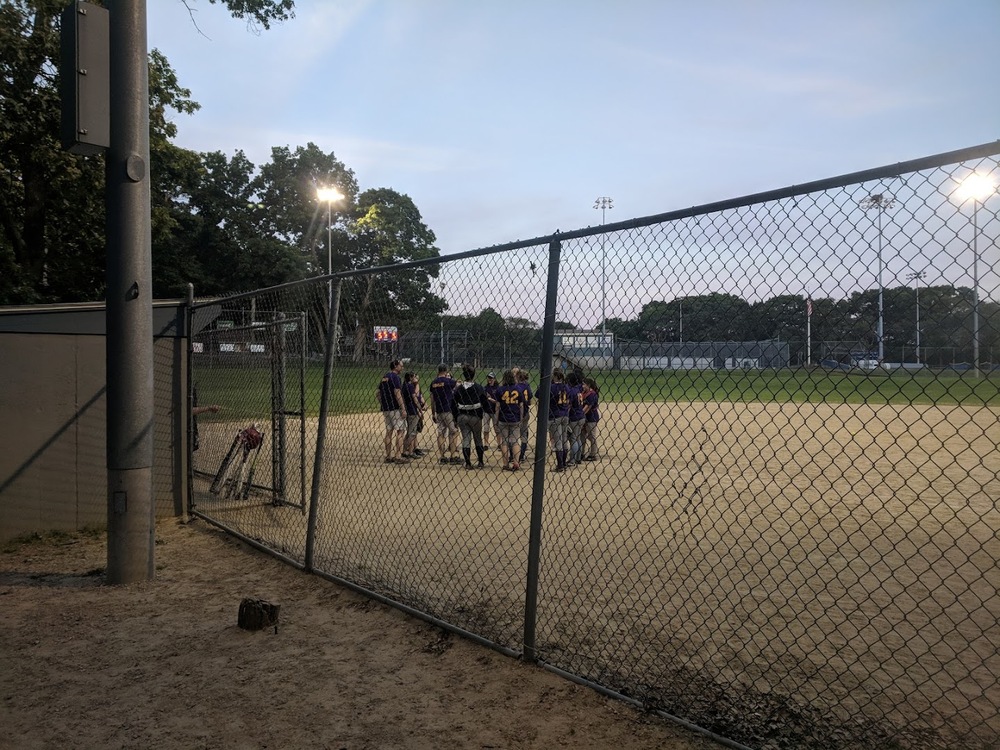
[386,334]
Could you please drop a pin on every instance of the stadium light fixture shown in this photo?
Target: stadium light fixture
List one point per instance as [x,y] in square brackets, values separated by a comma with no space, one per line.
[604,204]
[880,203]
[915,277]
[977,188]
[330,195]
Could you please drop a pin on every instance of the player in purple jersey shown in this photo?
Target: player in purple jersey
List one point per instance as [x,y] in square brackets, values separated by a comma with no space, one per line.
[412,414]
[591,417]
[521,376]
[442,395]
[576,417]
[558,417]
[510,409]
[390,399]
[422,407]
[492,389]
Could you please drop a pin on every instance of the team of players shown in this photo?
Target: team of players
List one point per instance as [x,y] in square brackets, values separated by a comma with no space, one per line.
[473,412]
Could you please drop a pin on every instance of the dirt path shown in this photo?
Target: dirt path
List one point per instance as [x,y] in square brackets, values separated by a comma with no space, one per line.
[163,664]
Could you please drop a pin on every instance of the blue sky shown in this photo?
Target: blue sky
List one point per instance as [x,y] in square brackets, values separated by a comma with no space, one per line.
[505,120]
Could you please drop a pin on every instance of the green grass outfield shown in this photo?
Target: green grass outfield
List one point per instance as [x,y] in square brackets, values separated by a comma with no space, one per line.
[246,391]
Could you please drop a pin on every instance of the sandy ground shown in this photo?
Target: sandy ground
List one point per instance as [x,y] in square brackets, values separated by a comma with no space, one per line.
[163,664]
[845,555]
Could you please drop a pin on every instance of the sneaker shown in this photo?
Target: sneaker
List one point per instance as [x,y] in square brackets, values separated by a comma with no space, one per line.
[444,461]
[560,469]
[456,460]
[515,466]
[480,465]
[590,458]
[469,467]
[407,455]
[389,460]
[418,453]
[401,460]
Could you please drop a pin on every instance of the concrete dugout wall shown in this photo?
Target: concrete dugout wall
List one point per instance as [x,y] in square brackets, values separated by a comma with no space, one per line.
[53,468]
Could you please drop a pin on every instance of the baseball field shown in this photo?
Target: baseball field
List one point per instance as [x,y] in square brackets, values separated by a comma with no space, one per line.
[845,555]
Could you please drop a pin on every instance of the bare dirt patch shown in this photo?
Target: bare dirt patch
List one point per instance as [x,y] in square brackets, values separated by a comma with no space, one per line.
[163,663]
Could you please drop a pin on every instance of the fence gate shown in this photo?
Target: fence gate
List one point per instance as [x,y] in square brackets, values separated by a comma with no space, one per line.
[270,355]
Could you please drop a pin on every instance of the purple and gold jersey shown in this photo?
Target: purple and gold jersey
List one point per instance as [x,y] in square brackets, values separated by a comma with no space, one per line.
[509,402]
[575,403]
[387,391]
[442,393]
[492,392]
[410,399]
[590,400]
[558,400]
[526,395]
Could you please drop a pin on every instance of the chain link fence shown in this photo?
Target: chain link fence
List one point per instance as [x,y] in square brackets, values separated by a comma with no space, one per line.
[783,527]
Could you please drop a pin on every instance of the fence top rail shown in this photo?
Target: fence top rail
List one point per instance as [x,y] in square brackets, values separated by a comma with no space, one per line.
[878,173]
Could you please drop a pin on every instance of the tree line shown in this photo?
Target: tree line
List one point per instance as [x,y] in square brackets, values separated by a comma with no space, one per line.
[225,224]
[219,222]
[838,328]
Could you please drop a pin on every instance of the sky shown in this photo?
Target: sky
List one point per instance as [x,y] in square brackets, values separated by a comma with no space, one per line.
[504,121]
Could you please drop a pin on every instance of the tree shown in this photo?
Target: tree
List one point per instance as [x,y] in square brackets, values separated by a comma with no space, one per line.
[389,229]
[52,219]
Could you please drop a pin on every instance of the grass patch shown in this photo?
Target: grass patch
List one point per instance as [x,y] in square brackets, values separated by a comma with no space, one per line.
[246,393]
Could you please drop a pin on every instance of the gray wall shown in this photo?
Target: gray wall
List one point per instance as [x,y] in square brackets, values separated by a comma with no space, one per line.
[53,469]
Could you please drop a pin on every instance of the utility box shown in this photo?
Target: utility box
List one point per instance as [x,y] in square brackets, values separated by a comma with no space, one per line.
[85,79]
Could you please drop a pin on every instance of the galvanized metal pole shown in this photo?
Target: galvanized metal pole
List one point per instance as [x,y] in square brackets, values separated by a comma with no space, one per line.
[131,526]
[975,286]
[541,444]
[324,410]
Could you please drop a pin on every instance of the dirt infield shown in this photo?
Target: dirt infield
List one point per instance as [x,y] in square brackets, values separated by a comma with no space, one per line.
[844,555]
[163,664]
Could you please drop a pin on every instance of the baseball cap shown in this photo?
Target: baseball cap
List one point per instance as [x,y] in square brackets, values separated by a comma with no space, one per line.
[492,375]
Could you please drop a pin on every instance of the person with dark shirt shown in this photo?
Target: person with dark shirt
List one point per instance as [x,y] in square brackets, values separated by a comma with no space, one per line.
[412,414]
[490,416]
[390,399]
[510,409]
[468,408]
[558,417]
[575,430]
[442,395]
[522,385]
[421,408]
[591,417]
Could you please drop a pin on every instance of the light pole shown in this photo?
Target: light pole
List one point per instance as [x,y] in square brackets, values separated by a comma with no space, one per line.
[442,285]
[880,202]
[329,194]
[605,204]
[977,187]
[915,276]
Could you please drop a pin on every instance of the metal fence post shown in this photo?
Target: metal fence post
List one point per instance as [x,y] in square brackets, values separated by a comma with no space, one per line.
[324,410]
[541,444]
[279,445]
[188,415]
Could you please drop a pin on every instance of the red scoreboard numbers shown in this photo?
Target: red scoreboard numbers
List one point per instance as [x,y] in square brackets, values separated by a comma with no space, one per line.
[386,334]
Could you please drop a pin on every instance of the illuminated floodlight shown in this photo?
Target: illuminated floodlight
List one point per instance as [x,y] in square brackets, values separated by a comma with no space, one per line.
[976,187]
[329,194]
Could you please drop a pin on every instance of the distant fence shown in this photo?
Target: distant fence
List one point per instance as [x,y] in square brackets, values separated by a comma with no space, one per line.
[782,556]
